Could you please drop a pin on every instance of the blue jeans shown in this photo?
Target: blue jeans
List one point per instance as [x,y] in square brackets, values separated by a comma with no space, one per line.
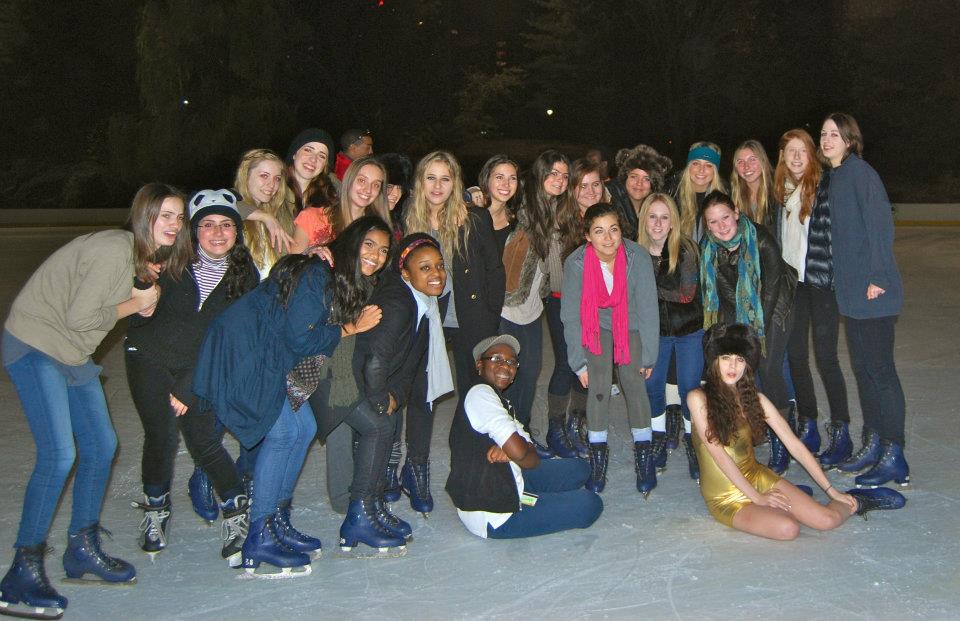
[524,386]
[563,379]
[562,501]
[66,421]
[280,459]
[689,360]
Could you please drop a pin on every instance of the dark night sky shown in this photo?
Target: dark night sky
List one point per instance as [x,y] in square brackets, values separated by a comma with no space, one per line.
[95,89]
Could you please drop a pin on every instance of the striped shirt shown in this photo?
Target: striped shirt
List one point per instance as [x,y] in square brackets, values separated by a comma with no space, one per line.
[208,273]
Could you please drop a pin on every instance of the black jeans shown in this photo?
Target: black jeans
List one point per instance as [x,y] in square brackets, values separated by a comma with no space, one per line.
[815,308]
[419,421]
[374,433]
[881,397]
[563,379]
[150,385]
[771,365]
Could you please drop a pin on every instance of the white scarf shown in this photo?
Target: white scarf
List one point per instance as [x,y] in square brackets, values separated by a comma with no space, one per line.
[794,233]
[439,378]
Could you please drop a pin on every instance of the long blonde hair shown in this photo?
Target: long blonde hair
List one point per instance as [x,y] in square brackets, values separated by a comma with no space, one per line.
[343,210]
[675,238]
[453,213]
[255,234]
[740,191]
[687,196]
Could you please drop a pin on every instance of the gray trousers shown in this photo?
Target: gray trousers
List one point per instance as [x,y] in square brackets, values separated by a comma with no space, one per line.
[633,386]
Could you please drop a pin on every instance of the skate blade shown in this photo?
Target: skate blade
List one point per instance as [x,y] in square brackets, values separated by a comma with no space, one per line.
[98,581]
[26,611]
[370,553]
[284,573]
[234,561]
[646,495]
[905,486]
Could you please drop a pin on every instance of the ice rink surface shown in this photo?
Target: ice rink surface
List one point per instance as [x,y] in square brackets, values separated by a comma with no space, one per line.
[660,558]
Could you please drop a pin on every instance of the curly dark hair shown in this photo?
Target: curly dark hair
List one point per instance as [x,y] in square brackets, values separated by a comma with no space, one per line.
[351,289]
[239,267]
[725,405]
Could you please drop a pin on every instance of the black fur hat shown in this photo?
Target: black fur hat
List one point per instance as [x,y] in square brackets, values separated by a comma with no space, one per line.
[736,339]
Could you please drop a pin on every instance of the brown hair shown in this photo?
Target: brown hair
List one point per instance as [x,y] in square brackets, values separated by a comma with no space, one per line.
[726,404]
[849,131]
[811,176]
[144,211]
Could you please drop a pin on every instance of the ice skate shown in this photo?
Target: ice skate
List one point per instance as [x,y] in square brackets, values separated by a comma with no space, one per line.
[361,526]
[877,499]
[840,447]
[386,517]
[575,429]
[779,455]
[391,491]
[153,527]
[658,448]
[26,592]
[644,467]
[85,563]
[557,439]
[262,546]
[415,483]
[233,528]
[866,457]
[201,496]
[693,464]
[291,537]
[809,434]
[599,458]
[674,426]
[890,467]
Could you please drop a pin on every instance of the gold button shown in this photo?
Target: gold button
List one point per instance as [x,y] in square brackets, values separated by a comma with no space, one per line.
[473,296]
[466,270]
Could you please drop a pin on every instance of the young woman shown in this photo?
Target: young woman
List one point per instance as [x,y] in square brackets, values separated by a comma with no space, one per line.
[801,188]
[701,176]
[729,416]
[752,188]
[640,171]
[609,304]
[524,256]
[499,180]
[310,191]
[676,265]
[56,322]
[242,373]
[474,275]
[869,294]
[361,193]
[500,486]
[161,351]
[396,187]
[268,216]
[743,279]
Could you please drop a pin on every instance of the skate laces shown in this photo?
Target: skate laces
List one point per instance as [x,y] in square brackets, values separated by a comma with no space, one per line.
[234,527]
[152,525]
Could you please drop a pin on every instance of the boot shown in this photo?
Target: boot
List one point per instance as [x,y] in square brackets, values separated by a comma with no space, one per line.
[646,471]
[674,426]
[391,522]
[866,457]
[878,499]
[576,421]
[693,464]
[542,449]
[234,527]
[26,591]
[263,546]
[153,527]
[599,458]
[659,450]
[792,418]
[840,446]
[890,467]
[557,439]
[201,496]
[391,492]
[83,556]
[415,482]
[362,526]
[808,433]
[779,455]
[290,536]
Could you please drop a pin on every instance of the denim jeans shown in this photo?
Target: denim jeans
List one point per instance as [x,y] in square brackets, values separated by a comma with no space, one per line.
[881,396]
[563,379]
[562,501]
[281,459]
[67,422]
[689,365]
[524,387]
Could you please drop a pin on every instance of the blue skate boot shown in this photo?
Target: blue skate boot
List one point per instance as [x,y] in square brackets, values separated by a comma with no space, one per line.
[291,537]
[646,471]
[840,447]
[693,464]
[658,448]
[674,426]
[362,526]
[391,522]
[866,457]
[201,496]
[83,556]
[391,491]
[263,546]
[877,499]
[415,482]
[26,592]
[599,459]
[809,434]
[779,455]
[890,467]
[557,439]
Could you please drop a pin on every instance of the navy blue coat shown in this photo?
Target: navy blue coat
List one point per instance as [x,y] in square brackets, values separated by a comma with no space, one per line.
[861,220]
[250,347]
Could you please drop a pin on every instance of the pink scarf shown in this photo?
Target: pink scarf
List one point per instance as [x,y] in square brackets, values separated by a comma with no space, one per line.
[595,296]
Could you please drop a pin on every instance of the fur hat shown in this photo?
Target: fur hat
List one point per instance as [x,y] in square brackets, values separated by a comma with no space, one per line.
[647,159]
[311,134]
[209,202]
[736,339]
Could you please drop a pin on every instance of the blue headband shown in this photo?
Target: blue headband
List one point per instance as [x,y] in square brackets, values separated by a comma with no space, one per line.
[704,153]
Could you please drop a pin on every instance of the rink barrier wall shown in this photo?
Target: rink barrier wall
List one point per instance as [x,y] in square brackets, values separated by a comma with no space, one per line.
[905,214]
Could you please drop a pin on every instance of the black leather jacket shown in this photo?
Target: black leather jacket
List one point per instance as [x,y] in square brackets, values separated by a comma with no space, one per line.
[678,294]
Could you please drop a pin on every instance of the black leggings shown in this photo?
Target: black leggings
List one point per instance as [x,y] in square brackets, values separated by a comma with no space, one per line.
[150,385]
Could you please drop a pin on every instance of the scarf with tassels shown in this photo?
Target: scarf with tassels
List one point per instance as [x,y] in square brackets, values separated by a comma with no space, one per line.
[595,296]
[749,308]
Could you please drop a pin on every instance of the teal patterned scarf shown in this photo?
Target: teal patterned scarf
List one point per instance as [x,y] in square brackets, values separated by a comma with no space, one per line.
[749,309]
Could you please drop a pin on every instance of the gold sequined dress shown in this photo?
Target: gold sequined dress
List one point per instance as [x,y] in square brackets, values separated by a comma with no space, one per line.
[723,498]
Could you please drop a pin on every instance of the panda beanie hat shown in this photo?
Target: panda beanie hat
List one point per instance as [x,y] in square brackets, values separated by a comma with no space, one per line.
[215,202]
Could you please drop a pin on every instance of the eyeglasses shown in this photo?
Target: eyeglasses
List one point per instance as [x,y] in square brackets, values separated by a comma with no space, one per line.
[513,363]
[223,226]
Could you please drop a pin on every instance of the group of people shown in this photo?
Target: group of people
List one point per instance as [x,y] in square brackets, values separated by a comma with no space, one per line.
[319,300]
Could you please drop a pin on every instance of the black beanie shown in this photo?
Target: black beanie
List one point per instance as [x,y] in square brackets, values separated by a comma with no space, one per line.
[311,134]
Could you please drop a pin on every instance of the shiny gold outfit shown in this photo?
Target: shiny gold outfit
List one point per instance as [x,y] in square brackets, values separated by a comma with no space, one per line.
[723,498]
